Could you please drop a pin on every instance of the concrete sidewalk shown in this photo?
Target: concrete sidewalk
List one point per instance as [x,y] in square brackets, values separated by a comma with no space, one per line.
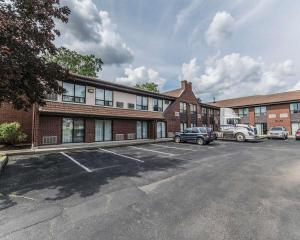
[78,146]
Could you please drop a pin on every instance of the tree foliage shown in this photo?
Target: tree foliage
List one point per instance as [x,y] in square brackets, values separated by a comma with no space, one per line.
[152,87]
[87,65]
[11,133]
[27,31]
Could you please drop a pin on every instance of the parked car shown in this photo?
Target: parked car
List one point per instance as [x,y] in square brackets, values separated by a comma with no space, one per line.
[199,135]
[297,134]
[278,132]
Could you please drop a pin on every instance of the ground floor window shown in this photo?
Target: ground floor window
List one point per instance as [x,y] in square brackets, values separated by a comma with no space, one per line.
[73,130]
[103,130]
[160,129]
[183,126]
[141,129]
[295,127]
[261,128]
[193,125]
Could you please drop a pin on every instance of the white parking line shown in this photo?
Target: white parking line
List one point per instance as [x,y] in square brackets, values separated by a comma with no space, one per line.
[121,155]
[73,160]
[103,168]
[145,149]
[163,146]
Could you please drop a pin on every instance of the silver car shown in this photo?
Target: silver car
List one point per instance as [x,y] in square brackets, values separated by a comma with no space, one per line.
[278,132]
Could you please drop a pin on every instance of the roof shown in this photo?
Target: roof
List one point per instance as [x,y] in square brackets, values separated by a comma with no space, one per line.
[115,86]
[173,93]
[269,99]
[209,105]
[90,110]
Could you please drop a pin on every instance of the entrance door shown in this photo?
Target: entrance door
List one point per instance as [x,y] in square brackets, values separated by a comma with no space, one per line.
[295,127]
[103,130]
[160,129]
[72,130]
[141,129]
[261,128]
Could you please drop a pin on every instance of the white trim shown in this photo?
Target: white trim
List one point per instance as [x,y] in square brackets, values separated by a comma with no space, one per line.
[121,155]
[72,159]
[145,149]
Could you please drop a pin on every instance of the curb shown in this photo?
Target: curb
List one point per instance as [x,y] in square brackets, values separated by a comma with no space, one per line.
[81,147]
[3,162]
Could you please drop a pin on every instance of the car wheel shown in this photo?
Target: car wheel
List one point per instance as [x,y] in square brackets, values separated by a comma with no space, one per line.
[177,139]
[240,137]
[200,141]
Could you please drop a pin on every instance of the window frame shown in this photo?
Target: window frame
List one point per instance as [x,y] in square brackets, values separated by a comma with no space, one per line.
[182,107]
[106,103]
[260,112]
[156,107]
[243,112]
[62,130]
[142,129]
[193,108]
[292,109]
[142,106]
[73,97]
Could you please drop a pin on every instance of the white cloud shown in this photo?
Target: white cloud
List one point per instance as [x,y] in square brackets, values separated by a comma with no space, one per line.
[234,75]
[91,31]
[141,75]
[220,29]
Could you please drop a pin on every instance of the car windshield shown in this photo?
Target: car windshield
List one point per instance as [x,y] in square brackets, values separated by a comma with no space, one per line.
[202,130]
[276,129]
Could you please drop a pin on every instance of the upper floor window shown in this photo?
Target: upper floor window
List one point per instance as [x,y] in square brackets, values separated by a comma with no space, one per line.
[73,93]
[182,107]
[141,103]
[104,97]
[193,108]
[295,107]
[243,112]
[259,111]
[210,111]
[217,113]
[157,105]
[204,110]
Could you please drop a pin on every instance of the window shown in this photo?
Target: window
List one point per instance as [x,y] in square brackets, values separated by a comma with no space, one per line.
[130,105]
[193,108]
[103,130]
[243,112]
[73,130]
[51,97]
[295,107]
[73,93]
[204,110]
[160,129]
[104,97]
[210,112]
[261,128]
[141,103]
[183,126]
[120,105]
[193,125]
[260,111]
[157,105]
[182,107]
[167,102]
[141,129]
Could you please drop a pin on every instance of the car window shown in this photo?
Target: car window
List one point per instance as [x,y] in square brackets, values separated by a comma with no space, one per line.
[202,130]
[276,129]
[188,130]
[195,130]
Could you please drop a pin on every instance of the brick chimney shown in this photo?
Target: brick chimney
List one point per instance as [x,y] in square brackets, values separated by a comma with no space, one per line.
[186,85]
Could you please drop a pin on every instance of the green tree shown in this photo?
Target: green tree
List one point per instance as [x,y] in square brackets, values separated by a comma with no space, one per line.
[87,65]
[152,87]
[27,32]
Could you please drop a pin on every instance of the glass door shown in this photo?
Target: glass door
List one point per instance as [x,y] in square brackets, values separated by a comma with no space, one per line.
[141,129]
[73,130]
[67,130]
[103,130]
[161,130]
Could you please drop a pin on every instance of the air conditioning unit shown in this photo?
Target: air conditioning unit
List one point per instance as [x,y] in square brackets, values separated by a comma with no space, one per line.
[47,140]
[119,137]
[131,136]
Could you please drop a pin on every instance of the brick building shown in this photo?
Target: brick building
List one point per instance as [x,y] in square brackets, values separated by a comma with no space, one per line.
[93,110]
[266,111]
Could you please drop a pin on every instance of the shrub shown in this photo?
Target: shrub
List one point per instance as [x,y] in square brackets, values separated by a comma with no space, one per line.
[11,133]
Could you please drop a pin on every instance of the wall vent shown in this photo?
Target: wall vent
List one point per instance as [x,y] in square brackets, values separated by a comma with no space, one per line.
[131,136]
[119,137]
[49,140]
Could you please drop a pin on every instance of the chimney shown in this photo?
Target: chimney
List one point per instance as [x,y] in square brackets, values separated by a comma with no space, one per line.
[214,100]
[186,85]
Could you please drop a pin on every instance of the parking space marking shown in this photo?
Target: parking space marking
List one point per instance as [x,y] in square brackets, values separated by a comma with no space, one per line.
[121,155]
[103,168]
[79,164]
[163,146]
[145,149]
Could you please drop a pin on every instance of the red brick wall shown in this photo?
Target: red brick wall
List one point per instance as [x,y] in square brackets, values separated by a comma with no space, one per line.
[89,130]
[279,109]
[123,127]
[50,126]
[8,114]
[251,116]
[173,122]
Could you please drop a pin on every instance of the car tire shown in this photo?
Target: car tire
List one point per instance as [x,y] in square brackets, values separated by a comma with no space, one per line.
[240,137]
[177,139]
[200,141]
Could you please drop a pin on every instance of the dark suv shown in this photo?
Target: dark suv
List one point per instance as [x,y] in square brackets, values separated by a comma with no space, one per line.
[200,135]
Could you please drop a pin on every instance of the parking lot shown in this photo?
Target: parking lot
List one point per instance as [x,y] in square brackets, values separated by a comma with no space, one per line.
[225,190]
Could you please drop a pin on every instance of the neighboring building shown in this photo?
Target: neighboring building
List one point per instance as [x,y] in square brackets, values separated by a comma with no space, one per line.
[210,116]
[266,111]
[93,110]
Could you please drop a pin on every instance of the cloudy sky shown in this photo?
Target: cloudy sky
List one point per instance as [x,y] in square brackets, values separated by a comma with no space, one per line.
[226,48]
